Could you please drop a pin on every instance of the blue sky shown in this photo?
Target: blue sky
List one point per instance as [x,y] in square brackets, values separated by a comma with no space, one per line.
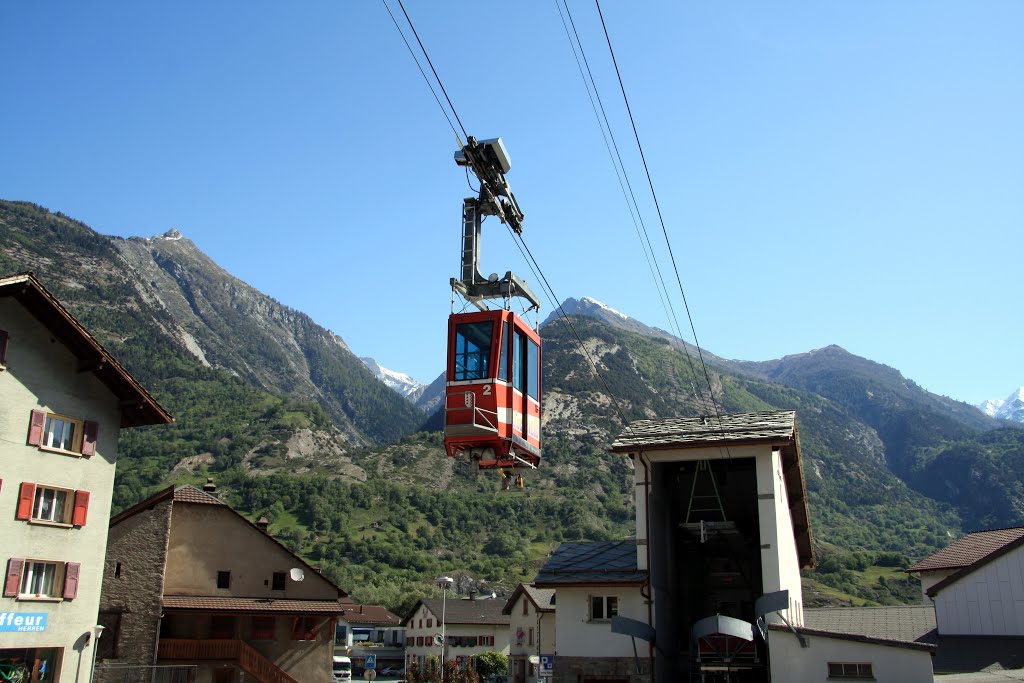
[830,173]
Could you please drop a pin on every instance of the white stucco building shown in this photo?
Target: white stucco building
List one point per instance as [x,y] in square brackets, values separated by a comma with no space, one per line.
[471,626]
[532,631]
[63,402]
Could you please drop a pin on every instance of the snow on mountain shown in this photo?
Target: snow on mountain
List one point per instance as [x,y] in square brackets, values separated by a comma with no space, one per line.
[399,381]
[1010,408]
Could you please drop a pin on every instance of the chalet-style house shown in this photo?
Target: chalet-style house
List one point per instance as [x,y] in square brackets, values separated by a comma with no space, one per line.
[531,612]
[471,626]
[189,581]
[63,401]
[711,584]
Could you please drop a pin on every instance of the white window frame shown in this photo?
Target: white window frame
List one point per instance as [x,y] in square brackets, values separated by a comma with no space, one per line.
[609,607]
[67,513]
[77,435]
[29,574]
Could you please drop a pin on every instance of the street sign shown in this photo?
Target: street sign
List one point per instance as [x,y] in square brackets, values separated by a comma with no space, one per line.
[371,662]
[547,665]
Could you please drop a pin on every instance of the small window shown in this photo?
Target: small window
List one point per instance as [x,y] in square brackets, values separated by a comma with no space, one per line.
[304,628]
[223,579]
[117,570]
[263,628]
[278,581]
[530,641]
[603,607]
[430,623]
[54,432]
[526,607]
[472,350]
[850,670]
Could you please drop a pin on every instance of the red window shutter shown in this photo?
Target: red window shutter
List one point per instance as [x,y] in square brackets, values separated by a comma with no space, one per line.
[81,508]
[91,433]
[25,500]
[12,585]
[35,429]
[71,580]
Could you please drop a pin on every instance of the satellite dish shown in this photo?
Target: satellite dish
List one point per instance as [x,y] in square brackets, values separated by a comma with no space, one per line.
[297,574]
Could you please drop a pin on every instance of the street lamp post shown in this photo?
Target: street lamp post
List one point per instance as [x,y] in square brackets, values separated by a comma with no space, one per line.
[445,582]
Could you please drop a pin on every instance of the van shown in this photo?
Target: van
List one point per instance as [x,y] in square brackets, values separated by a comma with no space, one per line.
[341,670]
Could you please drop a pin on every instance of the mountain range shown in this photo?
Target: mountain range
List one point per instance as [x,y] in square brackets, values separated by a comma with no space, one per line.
[1009,408]
[353,473]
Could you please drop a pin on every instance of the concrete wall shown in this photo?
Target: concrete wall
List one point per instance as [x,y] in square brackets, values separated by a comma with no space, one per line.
[987,602]
[133,585]
[889,664]
[780,565]
[42,374]
[578,636]
[206,539]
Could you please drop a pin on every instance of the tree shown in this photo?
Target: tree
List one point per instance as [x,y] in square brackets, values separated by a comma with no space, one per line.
[489,663]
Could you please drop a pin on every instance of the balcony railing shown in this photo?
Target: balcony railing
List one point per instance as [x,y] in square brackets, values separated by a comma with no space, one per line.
[251,661]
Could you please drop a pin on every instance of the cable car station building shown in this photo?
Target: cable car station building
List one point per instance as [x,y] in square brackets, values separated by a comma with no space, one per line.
[714,587]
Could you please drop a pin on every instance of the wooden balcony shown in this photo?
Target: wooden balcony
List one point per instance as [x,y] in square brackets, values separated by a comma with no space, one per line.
[235,651]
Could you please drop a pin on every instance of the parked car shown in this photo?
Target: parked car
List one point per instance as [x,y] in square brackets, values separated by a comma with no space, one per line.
[392,671]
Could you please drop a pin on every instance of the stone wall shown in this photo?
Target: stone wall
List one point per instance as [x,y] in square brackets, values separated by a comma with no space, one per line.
[579,669]
[133,583]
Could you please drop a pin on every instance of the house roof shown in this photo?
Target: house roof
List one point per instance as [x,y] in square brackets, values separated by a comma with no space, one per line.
[591,563]
[543,599]
[370,614]
[138,407]
[908,624]
[771,427]
[251,605]
[464,611]
[970,549]
[190,495]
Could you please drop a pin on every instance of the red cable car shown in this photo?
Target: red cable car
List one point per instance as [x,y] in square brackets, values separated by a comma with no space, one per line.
[492,399]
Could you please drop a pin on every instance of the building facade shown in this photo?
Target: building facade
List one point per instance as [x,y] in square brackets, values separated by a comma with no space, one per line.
[471,626]
[63,401]
[532,630]
[189,581]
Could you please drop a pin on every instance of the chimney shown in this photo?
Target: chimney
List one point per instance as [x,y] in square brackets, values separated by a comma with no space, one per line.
[209,487]
[472,594]
[263,524]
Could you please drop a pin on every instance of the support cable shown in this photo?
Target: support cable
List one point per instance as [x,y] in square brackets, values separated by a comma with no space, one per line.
[661,218]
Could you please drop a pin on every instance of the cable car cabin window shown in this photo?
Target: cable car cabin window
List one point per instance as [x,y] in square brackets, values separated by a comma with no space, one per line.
[472,350]
[517,360]
[503,360]
[532,369]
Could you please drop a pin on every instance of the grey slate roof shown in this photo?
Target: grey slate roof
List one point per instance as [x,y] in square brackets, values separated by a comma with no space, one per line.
[900,624]
[725,430]
[464,611]
[591,562]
